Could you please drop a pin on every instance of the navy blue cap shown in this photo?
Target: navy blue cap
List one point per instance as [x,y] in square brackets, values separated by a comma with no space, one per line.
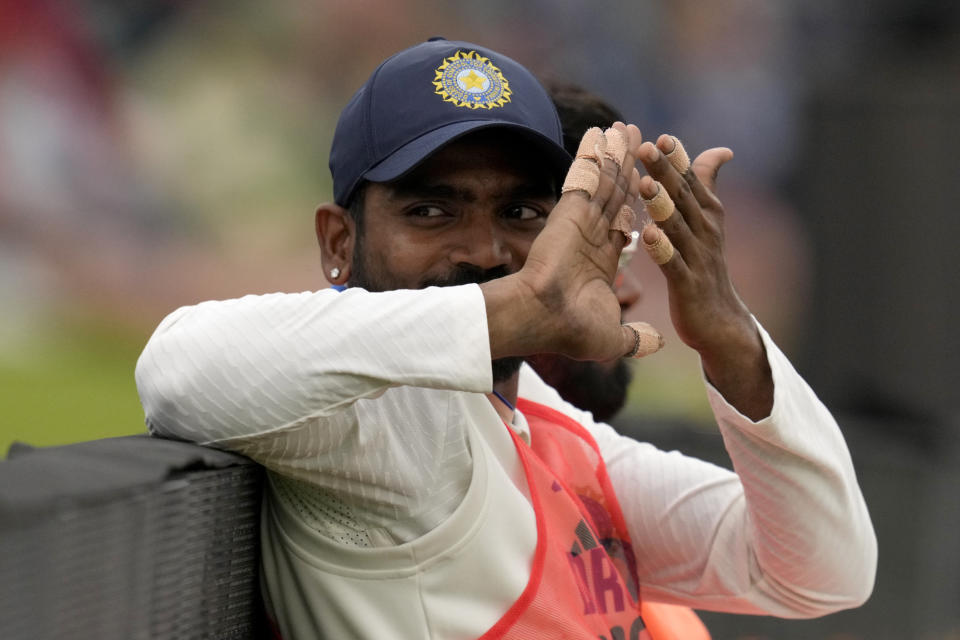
[429,95]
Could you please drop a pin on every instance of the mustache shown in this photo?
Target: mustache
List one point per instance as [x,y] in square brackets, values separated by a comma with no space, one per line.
[466,274]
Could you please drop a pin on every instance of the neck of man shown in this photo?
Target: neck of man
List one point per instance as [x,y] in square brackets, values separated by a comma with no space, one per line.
[508,389]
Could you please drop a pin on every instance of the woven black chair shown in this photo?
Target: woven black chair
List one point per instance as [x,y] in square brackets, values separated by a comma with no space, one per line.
[131,537]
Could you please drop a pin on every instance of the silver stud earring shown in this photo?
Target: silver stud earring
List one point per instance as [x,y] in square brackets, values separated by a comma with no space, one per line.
[335,273]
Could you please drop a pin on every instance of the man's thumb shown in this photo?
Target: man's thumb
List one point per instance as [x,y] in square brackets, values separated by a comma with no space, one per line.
[707,165]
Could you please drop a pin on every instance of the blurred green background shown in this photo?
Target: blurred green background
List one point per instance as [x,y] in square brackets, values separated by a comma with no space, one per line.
[70,380]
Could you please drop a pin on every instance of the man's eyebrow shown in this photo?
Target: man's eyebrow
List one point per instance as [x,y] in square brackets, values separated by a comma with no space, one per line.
[442,191]
[533,190]
[419,191]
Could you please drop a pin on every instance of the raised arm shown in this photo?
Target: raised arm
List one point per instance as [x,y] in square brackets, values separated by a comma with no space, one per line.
[787,534]
[237,368]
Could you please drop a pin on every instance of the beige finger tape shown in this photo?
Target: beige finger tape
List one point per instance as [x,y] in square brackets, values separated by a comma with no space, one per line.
[678,157]
[661,249]
[660,206]
[583,175]
[648,340]
[592,145]
[616,145]
[623,222]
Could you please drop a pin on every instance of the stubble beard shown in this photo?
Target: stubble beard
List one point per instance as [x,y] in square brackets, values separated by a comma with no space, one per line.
[598,387]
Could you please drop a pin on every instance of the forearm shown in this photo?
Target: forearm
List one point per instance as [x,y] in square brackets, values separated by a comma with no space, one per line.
[739,369]
[787,535]
[233,368]
[805,520]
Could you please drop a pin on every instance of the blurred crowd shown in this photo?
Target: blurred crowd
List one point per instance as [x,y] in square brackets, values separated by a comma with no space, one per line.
[156,153]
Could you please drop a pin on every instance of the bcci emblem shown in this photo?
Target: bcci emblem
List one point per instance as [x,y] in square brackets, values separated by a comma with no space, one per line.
[470,80]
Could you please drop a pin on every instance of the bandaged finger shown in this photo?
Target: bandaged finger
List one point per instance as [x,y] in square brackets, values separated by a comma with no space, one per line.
[678,157]
[661,249]
[584,176]
[647,340]
[660,206]
[616,146]
[593,144]
[623,222]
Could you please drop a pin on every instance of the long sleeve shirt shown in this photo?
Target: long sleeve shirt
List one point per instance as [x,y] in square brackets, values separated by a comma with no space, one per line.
[365,408]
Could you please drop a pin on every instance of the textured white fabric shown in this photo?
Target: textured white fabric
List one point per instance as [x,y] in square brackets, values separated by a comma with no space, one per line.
[374,400]
[455,581]
[310,385]
[789,534]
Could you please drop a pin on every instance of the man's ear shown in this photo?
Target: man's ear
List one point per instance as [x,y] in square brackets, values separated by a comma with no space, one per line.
[336,235]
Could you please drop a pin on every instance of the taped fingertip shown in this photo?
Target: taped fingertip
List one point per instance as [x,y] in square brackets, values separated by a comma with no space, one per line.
[616,145]
[678,157]
[583,175]
[660,206]
[623,222]
[660,249]
[647,340]
[592,145]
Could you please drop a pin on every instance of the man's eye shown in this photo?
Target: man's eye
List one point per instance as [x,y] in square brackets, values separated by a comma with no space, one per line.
[523,212]
[427,211]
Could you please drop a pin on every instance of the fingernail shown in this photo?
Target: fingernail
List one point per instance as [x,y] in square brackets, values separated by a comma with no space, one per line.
[650,234]
[648,187]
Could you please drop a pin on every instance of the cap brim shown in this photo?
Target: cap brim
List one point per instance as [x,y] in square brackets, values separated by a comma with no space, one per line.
[416,151]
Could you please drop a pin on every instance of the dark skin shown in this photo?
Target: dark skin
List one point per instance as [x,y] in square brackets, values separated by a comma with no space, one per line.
[478,202]
[707,313]
[597,387]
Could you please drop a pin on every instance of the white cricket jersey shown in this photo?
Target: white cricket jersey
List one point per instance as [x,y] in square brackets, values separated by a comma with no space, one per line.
[395,498]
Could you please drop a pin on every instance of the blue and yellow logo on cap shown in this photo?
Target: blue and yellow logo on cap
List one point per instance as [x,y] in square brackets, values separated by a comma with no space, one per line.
[472,81]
